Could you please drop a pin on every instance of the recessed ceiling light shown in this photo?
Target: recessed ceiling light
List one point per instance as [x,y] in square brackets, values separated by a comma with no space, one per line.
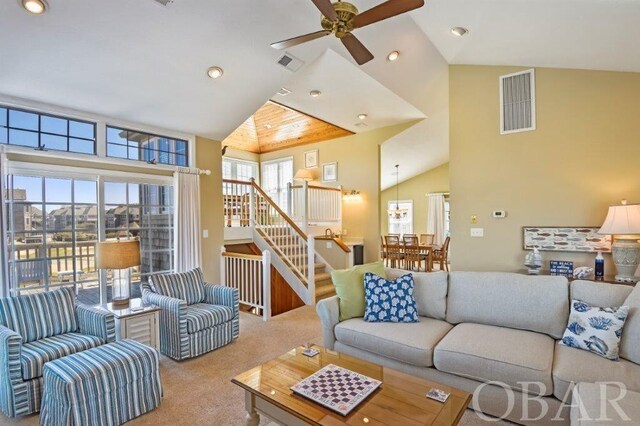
[315,93]
[459,31]
[393,55]
[268,126]
[37,7]
[215,72]
[362,116]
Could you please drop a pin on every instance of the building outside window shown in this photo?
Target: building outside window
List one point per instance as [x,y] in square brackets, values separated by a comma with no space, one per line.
[46,132]
[54,224]
[403,225]
[141,146]
[276,174]
[236,169]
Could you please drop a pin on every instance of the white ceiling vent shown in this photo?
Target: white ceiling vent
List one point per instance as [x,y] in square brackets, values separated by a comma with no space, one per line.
[164,2]
[290,62]
[517,102]
[283,91]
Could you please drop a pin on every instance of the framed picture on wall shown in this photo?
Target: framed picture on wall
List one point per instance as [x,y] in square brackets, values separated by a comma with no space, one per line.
[330,172]
[311,159]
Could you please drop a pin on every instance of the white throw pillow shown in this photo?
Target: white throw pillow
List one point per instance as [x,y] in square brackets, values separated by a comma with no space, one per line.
[594,329]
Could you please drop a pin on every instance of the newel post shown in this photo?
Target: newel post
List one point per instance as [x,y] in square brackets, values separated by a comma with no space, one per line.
[266,285]
[311,269]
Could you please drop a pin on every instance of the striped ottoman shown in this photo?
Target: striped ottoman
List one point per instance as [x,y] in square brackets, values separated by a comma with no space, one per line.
[107,385]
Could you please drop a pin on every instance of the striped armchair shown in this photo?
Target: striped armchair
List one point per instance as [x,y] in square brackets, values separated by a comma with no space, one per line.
[38,328]
[195,317]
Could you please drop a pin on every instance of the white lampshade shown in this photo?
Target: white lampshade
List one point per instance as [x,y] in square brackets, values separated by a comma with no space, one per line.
[622,220]
[303,174]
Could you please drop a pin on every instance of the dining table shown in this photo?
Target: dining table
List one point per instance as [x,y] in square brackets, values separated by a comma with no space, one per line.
[425,250]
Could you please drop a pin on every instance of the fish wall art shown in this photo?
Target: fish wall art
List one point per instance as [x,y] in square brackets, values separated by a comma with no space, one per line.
[573,239]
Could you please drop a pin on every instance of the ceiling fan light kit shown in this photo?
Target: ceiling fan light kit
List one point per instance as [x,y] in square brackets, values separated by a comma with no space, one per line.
[341,18]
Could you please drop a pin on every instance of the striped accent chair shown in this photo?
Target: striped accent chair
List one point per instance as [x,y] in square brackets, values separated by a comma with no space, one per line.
[108,385]
[195,317]
[36,329]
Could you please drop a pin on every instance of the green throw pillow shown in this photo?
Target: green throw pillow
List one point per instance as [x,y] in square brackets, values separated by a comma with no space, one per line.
[350,288]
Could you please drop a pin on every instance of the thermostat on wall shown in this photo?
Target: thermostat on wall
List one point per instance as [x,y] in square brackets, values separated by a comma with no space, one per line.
[499,214]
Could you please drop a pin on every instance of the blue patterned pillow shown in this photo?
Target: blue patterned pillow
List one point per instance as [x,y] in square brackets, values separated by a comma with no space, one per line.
[594,329]
[389,300]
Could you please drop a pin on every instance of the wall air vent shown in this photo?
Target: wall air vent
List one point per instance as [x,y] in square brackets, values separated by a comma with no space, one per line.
[517,102]
[283,91]
[164,2]
[290,62]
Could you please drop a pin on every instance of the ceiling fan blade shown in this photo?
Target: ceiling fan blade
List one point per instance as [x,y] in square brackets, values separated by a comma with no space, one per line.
[360,53]
[326,8]
[284,44]
[385,10]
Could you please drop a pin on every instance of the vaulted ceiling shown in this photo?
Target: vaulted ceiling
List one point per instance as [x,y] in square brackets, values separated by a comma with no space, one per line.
[276,126]
[142,62]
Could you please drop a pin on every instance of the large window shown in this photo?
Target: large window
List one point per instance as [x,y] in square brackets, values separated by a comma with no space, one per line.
[235,169]
[402,225]
[276,175]
[54,224]
[46,132]
[135,145]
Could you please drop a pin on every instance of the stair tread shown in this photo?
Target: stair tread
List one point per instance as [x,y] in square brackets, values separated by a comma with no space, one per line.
[325,289]
[323,276]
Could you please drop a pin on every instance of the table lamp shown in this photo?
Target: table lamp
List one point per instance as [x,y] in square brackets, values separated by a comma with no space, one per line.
[303,174]
[119,256]
[622,222]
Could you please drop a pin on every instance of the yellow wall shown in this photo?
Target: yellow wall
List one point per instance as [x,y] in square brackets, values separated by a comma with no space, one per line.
[358,158]
[208,156]
[241,155]
[416,188]
[582,158]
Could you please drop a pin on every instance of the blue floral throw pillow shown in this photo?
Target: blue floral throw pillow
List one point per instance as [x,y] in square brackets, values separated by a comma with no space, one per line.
[389,301]
[594,329]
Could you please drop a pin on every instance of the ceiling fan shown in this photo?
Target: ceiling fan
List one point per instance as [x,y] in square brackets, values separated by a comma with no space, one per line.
[341,18]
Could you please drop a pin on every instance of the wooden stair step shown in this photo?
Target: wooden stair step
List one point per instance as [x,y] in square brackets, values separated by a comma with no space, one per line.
[323,276]
[324,291]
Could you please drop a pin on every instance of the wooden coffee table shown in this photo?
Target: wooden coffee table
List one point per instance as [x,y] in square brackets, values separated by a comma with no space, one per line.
[400,400]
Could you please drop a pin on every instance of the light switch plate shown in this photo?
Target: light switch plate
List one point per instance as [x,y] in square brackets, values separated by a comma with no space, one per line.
[205,233]
[477,232]
[329,244]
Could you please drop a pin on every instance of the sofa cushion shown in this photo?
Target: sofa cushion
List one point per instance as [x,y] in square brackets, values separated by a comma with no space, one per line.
[187,286]
[598,293]
[486,353]
[35,354]
[509,300]
[630,342]
[429,291]
[411,343]
[202,316]
[349,285]
[389,300]
[572,365]
[595,329]
[587,408]
[36,316]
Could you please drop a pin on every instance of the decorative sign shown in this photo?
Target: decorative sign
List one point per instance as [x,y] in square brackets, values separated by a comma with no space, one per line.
[561,267]
[582,239]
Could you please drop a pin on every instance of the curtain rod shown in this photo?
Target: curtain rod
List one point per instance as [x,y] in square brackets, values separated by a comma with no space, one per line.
[191,171]
[437,193]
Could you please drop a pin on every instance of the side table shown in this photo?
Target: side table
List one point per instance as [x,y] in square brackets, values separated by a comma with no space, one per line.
[138,322]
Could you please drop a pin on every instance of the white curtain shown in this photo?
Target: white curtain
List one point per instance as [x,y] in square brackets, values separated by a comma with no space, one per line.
[187,221]
[4,275]
[435,217]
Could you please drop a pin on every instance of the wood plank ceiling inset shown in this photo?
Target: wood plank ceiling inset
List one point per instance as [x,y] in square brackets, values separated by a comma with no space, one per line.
[275,126]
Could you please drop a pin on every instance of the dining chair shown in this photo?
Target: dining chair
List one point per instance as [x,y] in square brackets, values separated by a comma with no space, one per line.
[394,252]
[441,255]
[412,258]
[426,239]
[383,250]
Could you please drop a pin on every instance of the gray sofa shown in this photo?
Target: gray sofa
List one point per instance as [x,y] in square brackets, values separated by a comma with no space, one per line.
[481,327]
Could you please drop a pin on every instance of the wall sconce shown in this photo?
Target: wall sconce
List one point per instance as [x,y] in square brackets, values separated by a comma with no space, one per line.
[352,195]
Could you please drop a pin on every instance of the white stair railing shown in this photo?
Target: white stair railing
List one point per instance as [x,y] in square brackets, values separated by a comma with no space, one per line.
[285,237]
[315,205]
[251,276]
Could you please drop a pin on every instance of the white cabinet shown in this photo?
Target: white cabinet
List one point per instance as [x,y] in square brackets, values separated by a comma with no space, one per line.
[138,322]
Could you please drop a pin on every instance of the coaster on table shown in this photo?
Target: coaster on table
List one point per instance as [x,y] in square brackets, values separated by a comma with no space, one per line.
[310,352]
[438,394]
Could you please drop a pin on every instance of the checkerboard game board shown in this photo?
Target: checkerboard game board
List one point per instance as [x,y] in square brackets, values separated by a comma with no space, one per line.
[337,388]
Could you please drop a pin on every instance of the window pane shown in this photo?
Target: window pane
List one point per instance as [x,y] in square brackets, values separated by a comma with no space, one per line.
[146,147]
[80,129]
[29,273]
[117,151]
[27,188]
[4,135]
[82,146]
[115,193]
[85,191]
[57,190]
[133,153]
[58,143]
[115,135]
[59,220]
[3,117]
[23,120]
[134,193]
[23,138]
[53,125]
[26,216]
[181,160]
[181,147]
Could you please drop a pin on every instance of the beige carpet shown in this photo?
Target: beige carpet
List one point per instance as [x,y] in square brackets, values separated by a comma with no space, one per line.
[199,391]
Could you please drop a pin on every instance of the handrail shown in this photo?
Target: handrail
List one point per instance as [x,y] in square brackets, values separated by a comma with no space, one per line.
[337,240]
[242,255]
[240,182]
[327,188]
[279,210]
